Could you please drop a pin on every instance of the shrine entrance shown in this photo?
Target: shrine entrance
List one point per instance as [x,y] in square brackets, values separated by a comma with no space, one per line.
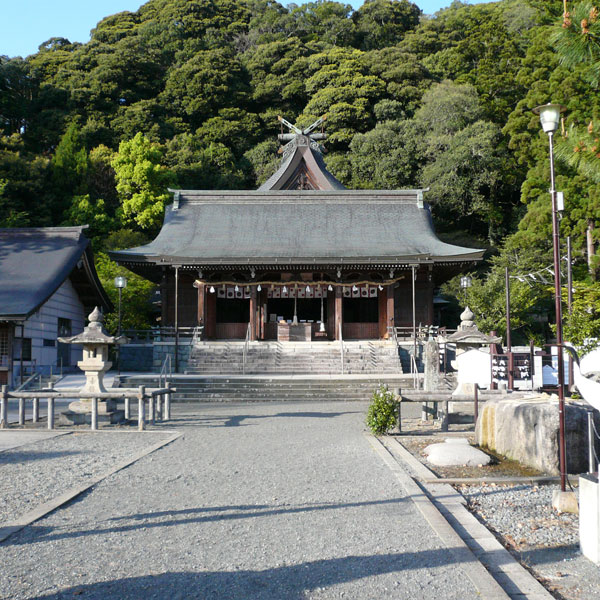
[232,311]
[360,318]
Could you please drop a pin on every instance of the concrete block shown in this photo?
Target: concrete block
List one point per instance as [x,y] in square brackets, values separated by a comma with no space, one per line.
[589,517]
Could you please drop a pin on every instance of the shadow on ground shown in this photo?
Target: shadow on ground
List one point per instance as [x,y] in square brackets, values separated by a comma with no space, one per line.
[240,419]
[188,516]
[291,582]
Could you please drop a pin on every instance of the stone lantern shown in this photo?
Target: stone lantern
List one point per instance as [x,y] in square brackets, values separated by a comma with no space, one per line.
[95,364]
[472,364]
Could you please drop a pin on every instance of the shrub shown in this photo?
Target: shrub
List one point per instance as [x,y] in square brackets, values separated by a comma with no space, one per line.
[382,412]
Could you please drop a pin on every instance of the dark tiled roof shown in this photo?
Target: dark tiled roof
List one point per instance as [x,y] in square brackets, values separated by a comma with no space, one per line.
[34,262]
[297,227]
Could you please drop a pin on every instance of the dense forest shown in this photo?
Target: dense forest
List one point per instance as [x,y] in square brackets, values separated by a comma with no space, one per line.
[186,93]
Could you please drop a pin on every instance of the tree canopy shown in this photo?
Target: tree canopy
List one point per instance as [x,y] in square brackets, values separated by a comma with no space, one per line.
[186,93]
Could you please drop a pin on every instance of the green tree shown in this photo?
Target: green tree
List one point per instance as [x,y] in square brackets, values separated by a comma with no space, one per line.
[381,23]
[142,181]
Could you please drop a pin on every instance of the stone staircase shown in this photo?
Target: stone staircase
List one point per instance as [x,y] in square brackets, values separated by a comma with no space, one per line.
[295,358]
[285,371]
[272,389]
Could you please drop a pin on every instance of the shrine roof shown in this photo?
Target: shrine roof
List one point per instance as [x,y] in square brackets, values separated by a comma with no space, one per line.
[297,227]
[34,263]
[302,161]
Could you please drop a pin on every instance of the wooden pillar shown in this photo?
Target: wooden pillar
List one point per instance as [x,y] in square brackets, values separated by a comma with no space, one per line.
[339,317]
[201,317]
[331,314]
[210,315]
[390,306]
[430,288]
[262,313]
[253,313]
[382,306]
[164,299]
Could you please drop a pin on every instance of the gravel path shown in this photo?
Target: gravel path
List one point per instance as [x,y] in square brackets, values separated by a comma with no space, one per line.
[37,472]
[269,501]
[544,541]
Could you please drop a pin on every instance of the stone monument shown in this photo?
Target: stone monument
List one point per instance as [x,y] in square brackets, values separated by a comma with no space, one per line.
[95,364]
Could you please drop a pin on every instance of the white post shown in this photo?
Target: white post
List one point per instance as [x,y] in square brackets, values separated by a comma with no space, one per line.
[36,410]
[51,412]
[21,411]
[127,409]
[168,402]
[94,414]
[4,407]
[141,409]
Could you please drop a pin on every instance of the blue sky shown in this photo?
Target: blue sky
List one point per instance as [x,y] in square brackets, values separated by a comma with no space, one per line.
[25,24]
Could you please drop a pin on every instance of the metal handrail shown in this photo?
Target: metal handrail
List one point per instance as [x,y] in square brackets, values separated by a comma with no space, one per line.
[197,335]
[165,371]
[245,351]
[58,362]
[394,337]
[158,334]
[30,379]
[341,347]
[414,370]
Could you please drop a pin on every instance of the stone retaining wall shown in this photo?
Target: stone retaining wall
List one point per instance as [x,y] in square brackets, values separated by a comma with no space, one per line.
[527,431]
[150,357]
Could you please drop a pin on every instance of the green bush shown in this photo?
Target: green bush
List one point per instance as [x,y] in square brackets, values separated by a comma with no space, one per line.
[382,412]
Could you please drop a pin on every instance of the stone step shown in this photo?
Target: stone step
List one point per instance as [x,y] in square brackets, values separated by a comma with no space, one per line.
[246,389]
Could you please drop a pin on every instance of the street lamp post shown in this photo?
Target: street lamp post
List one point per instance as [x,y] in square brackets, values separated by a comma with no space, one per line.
[120,284]
[550,119]
[465,283]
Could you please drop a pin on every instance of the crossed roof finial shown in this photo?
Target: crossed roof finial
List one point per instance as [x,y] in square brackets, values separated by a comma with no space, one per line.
[303,137]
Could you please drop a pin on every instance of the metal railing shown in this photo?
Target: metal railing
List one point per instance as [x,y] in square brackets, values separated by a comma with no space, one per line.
[423,332]
[592,436]
[58,363]
[245,350]
[165,372]
[28,383]
[197,335]
[393,334]
[414,371]
[341,347]
[158,334]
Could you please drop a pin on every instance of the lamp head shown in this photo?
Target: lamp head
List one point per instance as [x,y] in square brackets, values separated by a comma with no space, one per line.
[549,116]
[120,282]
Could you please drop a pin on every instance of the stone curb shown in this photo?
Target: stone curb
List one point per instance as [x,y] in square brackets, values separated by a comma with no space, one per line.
[485,584]
[517,582]
[47,507]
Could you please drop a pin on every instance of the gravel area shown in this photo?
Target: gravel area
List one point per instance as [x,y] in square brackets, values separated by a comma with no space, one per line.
[40,471]
[264,501]
[522,517]
[545,542]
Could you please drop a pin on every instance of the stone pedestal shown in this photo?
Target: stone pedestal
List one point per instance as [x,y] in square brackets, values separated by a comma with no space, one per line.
[589,517]
[80,413]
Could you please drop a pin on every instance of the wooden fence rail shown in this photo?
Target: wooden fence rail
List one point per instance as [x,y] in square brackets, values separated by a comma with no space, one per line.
[158,400]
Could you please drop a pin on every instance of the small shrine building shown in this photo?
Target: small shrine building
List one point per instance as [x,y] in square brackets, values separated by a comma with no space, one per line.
[301,257]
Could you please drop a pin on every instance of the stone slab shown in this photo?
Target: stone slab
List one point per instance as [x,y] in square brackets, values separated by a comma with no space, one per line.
[455,452]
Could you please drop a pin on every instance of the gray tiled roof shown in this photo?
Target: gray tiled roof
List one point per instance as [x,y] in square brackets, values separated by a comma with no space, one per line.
[294,227]
[34,262]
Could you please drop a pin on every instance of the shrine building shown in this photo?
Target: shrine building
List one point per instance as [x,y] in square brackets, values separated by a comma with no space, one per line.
[300,258]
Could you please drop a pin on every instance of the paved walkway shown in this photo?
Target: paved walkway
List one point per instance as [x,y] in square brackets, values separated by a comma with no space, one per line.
[269,501]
